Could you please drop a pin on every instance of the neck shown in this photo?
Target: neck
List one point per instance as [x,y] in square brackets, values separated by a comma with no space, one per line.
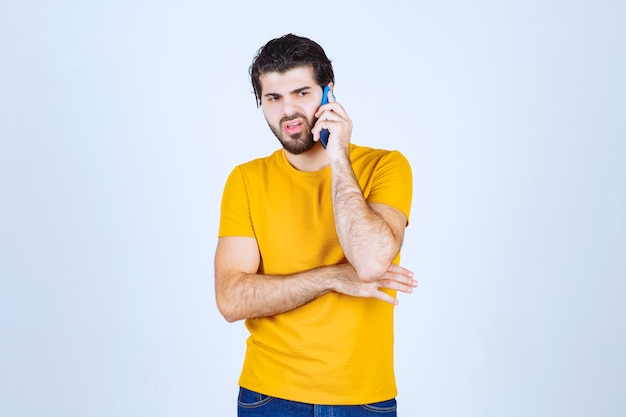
[309,161]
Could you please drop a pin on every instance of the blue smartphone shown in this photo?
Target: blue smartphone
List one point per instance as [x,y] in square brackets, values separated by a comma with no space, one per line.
[325,133]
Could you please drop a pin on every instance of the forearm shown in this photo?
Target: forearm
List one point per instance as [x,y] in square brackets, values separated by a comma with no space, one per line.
[242,293]
[246,296]
[367,240]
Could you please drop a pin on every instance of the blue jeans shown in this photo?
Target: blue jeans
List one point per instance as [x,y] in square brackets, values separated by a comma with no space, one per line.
[253,404]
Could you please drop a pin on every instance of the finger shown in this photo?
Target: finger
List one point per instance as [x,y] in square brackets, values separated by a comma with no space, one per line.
[395,285]
[319,125]
[332,107]
[397,269]
[333,126]
[331,95]
[402,278]
[383,296]
[330,116]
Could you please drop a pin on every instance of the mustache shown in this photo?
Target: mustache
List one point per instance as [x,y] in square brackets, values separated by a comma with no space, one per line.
[289,118]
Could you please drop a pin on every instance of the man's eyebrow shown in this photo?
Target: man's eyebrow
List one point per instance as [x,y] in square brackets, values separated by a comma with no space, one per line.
[301,89]
[296,91]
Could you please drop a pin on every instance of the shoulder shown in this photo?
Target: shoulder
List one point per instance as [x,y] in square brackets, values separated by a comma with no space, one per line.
[261,162]
[366,156]
[259,166]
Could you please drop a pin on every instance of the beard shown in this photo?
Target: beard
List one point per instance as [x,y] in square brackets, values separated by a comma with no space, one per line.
[297,143]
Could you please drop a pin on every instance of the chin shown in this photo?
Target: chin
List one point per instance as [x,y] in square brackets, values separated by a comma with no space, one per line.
[298,146]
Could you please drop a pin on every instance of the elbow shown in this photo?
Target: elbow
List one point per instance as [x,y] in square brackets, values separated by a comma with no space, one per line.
[372,270]
[367,276]
[229,317]
[227,310]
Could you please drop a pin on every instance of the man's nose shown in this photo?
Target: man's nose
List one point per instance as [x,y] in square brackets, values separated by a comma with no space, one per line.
[290,106]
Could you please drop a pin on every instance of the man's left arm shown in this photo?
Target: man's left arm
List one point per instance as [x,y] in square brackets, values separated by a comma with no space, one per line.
[370,234]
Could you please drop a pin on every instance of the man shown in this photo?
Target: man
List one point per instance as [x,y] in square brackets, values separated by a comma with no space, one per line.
[308,250]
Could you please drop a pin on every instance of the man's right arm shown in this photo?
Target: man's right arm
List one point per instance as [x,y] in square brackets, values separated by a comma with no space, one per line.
[242,292]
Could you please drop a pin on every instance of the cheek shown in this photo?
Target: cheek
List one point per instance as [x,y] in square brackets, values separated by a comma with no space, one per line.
[271,116]
[310,110]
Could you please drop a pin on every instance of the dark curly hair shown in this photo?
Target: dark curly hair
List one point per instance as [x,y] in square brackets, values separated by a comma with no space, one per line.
[288,52]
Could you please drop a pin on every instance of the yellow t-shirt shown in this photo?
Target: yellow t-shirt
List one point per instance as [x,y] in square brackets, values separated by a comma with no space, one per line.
[336,349]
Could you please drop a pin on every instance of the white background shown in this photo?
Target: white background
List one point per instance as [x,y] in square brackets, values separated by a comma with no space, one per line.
[120,120]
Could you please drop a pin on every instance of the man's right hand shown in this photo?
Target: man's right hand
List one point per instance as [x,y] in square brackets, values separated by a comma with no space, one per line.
[396,278]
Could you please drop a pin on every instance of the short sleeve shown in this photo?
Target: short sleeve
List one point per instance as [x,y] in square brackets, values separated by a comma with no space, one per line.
[393,183]
[235,217]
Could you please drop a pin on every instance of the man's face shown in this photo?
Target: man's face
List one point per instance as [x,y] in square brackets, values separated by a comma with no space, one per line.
[289,101]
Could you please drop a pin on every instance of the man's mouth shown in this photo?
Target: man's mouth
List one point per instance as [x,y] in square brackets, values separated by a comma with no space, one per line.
[293,127]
